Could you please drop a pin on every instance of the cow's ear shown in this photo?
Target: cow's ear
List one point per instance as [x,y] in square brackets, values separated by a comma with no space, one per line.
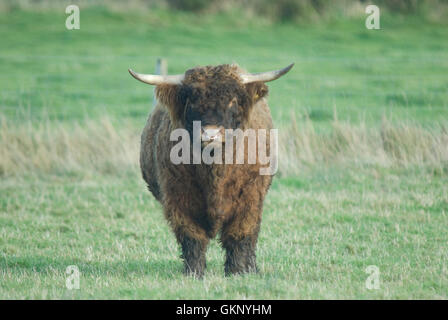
[168,95]
[257,90]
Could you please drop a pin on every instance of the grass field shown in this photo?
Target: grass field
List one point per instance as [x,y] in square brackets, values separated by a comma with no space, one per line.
[363,119]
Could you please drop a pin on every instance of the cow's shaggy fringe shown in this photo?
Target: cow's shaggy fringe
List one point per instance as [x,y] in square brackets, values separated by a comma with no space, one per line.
[99,146]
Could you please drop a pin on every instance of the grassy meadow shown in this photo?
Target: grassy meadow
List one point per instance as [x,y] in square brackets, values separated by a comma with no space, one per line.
[363,173]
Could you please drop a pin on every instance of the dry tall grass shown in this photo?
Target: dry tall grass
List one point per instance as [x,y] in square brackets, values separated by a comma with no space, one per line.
[390,145]
[98,146]
[48,147]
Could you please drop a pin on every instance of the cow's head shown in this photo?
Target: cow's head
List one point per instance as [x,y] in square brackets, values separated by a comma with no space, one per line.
[221,97]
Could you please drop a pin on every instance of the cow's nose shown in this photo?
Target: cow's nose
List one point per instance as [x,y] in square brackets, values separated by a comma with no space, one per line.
[211,133]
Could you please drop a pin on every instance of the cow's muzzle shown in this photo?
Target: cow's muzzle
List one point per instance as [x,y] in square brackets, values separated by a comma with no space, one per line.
[212,133]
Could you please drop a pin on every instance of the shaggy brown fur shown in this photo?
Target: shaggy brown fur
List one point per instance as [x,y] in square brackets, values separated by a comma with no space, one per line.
[201,200]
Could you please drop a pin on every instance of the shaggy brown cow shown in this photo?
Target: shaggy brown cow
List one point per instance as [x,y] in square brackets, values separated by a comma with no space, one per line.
[199,200]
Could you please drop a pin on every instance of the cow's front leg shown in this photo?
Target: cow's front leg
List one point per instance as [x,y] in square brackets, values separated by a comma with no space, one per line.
[184,213]
[193,255]
[240,233]
[240,254]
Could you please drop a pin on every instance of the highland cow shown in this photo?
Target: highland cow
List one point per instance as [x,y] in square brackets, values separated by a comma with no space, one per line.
[200,200]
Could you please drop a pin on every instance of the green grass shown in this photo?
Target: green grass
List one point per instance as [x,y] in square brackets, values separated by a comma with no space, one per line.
[319,233]
[321,227]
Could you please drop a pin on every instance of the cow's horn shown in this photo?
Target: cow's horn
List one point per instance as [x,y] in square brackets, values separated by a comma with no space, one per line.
[265,76]
[156,79]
